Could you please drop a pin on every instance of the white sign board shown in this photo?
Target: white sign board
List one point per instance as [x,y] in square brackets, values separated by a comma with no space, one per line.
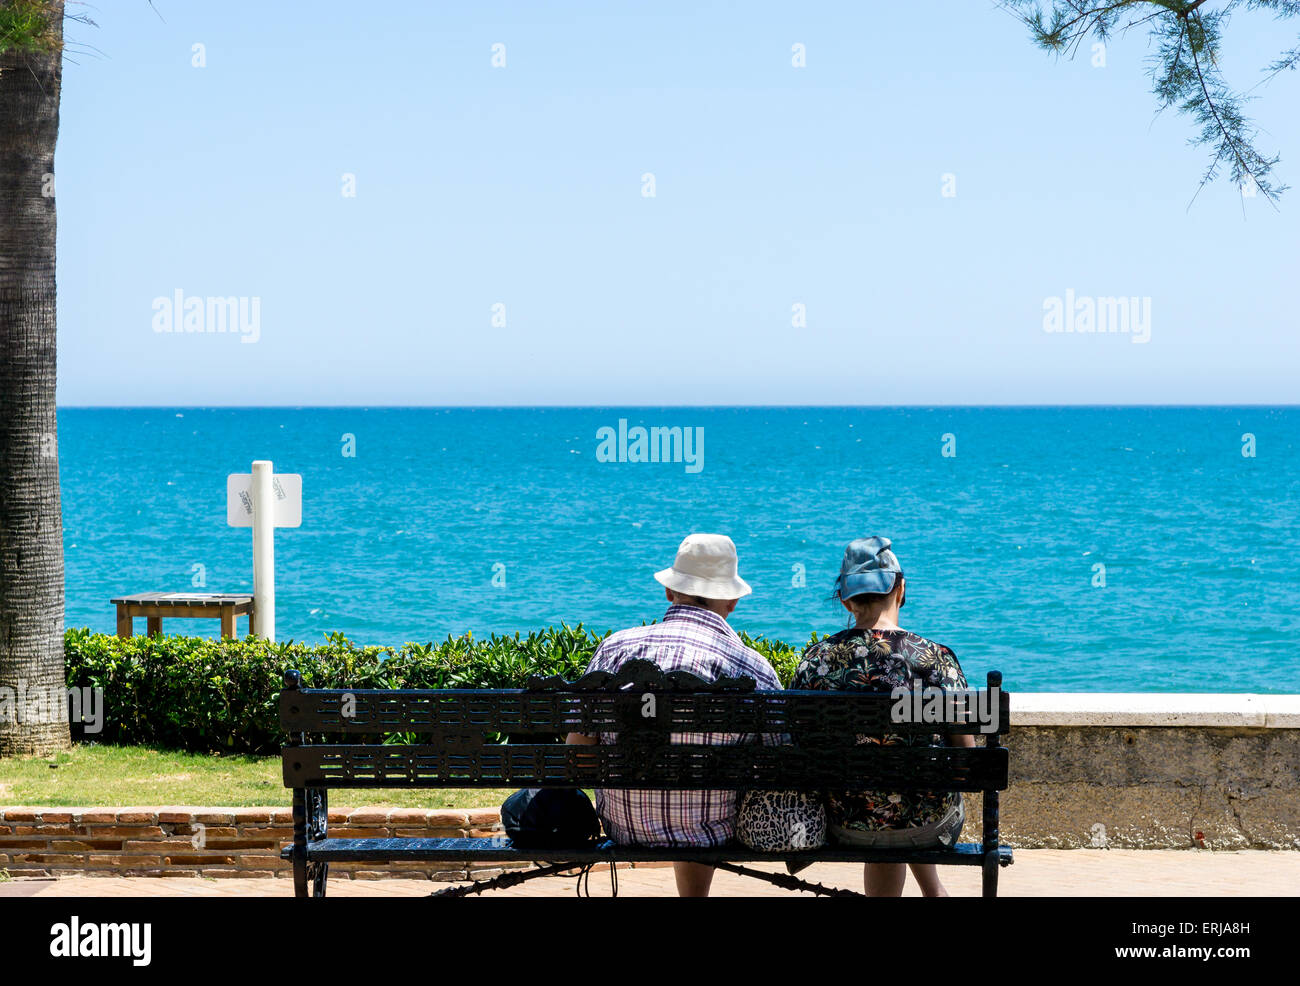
[286,489]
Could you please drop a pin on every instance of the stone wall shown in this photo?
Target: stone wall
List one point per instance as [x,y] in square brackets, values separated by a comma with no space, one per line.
[1149,787]
[1152,771]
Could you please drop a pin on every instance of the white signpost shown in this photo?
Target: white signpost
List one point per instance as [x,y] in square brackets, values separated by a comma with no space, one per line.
[264,500]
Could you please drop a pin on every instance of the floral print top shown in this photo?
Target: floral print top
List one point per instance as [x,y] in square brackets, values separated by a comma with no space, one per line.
[880,661]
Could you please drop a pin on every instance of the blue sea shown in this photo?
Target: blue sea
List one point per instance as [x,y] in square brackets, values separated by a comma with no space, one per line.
[1075,549]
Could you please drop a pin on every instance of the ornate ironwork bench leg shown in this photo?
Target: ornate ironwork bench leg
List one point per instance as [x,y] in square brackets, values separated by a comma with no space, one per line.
[310,823]
[787,881]
[505,880]
[990,866]
[299,842]
[990,882]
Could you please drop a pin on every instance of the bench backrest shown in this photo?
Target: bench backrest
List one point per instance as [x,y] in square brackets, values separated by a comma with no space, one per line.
[455,729]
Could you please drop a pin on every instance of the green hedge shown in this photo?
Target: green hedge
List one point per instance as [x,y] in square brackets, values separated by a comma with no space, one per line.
[220,695]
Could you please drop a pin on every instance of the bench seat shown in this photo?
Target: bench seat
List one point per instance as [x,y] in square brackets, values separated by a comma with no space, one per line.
[501,850]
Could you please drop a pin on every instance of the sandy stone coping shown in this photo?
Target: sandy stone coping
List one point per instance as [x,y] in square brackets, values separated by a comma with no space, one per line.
[1154,709]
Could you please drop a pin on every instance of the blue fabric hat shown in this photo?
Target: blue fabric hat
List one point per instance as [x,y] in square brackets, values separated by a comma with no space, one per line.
[868,566]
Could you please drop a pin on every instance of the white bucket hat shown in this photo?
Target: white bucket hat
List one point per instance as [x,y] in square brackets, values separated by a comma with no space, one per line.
[706,567]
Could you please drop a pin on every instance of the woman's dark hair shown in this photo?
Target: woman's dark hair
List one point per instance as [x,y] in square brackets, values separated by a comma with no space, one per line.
[865,600]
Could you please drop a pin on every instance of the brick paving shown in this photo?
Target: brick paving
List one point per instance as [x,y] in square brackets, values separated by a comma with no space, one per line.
[1037,872]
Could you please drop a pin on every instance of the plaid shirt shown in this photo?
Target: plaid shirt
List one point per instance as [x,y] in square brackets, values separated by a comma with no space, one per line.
[697,640]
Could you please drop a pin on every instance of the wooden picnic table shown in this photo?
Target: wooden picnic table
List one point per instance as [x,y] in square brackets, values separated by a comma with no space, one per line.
[224,606]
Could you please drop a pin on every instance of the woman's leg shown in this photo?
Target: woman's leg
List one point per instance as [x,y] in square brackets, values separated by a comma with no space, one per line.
[693,879]
[884,879]
[927,877]
[945,833]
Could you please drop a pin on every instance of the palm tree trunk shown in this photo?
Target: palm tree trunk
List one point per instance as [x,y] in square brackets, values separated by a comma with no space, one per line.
[31,525]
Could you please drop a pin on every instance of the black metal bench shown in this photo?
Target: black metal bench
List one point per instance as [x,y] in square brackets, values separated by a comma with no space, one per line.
[459,748]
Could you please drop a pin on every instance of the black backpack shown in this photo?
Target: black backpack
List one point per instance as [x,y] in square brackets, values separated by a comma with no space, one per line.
[550,818]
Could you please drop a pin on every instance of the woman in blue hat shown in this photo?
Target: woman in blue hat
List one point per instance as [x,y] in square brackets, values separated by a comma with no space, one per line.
[876,654]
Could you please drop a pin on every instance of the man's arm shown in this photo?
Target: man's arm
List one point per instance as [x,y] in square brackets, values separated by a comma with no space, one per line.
[954,677]
[765,680]
[582,739]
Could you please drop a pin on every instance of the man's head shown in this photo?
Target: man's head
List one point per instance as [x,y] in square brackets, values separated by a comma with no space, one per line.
[705,573]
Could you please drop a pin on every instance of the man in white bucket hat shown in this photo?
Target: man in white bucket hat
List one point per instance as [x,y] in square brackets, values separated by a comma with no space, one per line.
[702,588]
[706,571]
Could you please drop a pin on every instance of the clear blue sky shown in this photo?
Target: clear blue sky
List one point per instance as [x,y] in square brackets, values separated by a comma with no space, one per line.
[522,186]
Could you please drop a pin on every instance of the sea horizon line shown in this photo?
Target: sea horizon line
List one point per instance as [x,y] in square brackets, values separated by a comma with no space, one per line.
[694,407]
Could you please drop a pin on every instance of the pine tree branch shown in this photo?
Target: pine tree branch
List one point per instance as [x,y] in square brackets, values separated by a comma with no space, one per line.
[1225,136]
[1196,88]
